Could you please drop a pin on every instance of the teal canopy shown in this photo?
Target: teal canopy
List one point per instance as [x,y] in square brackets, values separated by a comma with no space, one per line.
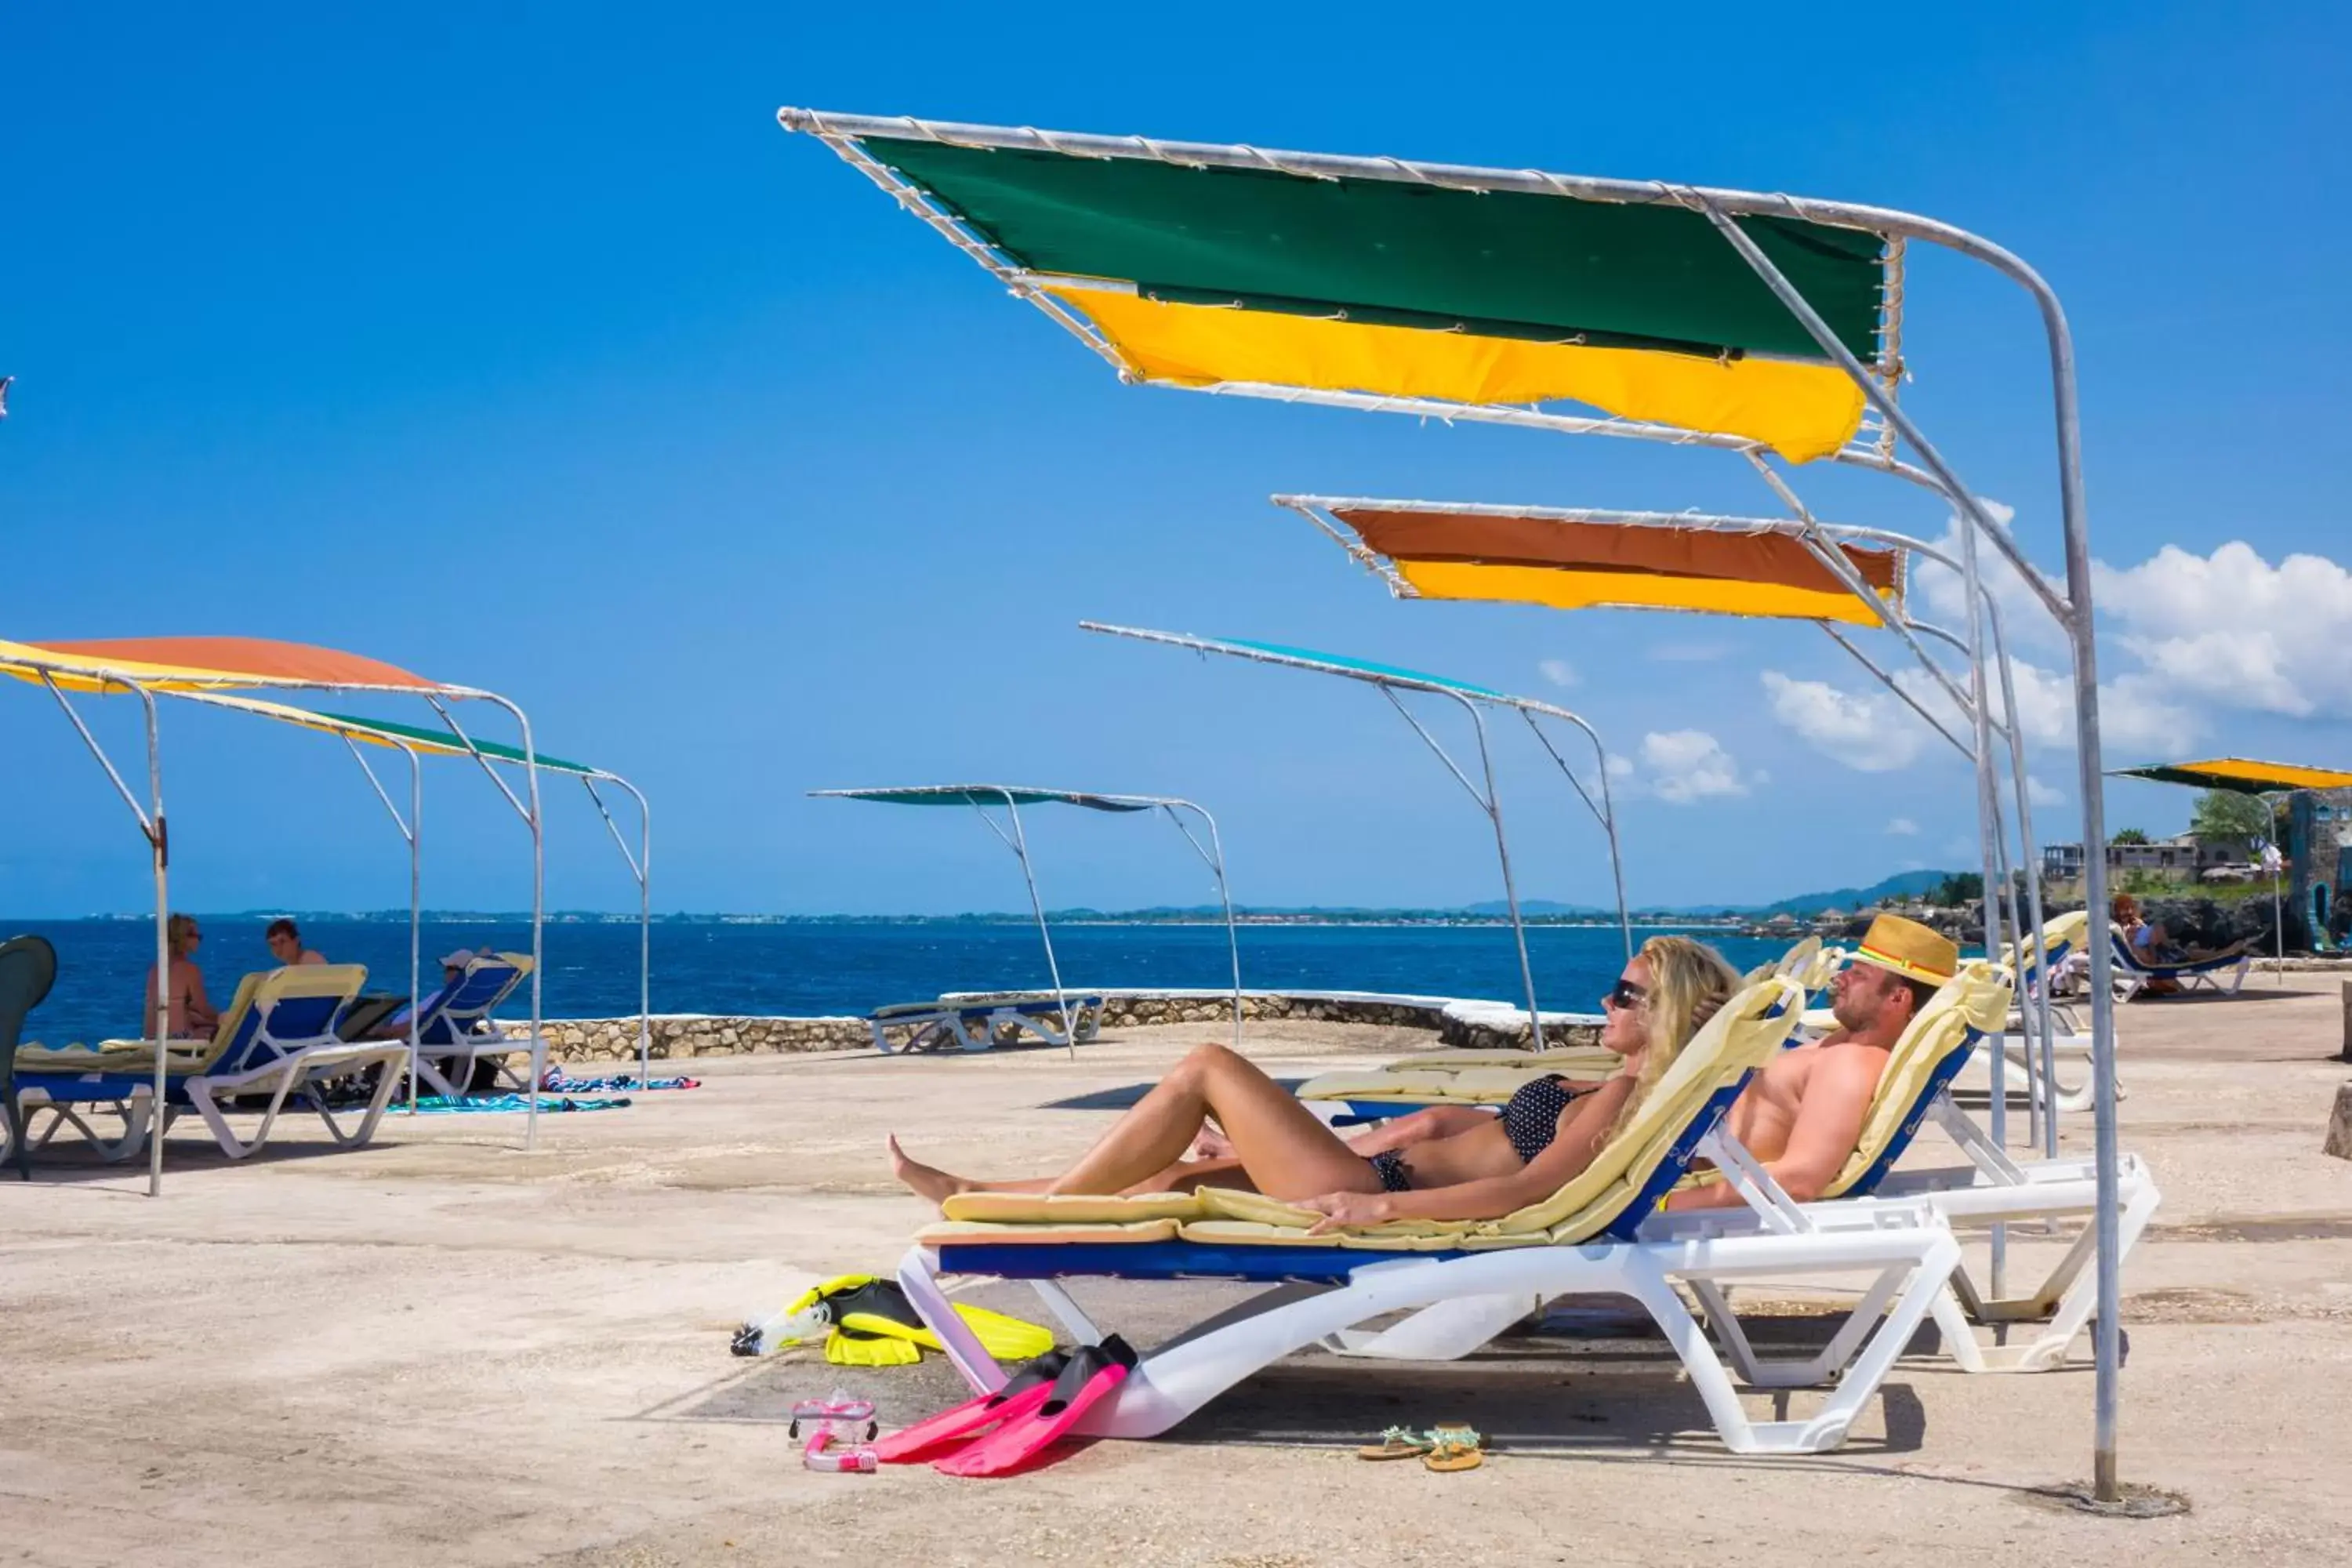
[992,794]
[447,741]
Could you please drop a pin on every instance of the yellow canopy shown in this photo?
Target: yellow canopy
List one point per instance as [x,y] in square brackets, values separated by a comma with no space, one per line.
[1801,411]
[2242,775]
[1566,560]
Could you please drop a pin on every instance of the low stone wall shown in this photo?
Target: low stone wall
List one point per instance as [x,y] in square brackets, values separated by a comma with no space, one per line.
[679,1035]
[1476,1025]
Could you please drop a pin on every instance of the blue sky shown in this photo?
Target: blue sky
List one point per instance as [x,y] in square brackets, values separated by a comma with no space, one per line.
[518,346]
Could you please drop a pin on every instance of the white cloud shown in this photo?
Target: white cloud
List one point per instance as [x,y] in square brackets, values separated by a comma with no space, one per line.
[1877,732]
[1873,734]
[1684,766]
[2039,793]
[1904,827]
[1558,671]
[1619,767]
[2236,631]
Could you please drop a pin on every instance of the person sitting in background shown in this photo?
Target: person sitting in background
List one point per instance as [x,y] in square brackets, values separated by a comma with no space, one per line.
[284,941]
[1801,1115]
[2152,944]
[193,1014]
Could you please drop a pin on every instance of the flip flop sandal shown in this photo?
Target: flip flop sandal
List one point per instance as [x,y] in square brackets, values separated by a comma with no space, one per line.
[1454,1448]
[1397,1443]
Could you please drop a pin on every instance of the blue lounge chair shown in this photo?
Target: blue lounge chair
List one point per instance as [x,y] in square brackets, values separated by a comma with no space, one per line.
[2133,973]
[276,1039]
[455,1028]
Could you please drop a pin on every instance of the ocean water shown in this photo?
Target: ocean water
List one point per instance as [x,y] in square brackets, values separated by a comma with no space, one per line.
[819,968]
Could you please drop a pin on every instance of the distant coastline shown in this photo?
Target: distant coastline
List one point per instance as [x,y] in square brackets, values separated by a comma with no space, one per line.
[1533,911]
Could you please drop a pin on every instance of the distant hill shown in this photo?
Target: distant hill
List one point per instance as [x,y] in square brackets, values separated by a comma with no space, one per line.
[1902,885]
[1538,907]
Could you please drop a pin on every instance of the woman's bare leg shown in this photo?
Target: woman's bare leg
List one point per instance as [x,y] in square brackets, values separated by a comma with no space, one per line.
[931,1181]
[1286,1151]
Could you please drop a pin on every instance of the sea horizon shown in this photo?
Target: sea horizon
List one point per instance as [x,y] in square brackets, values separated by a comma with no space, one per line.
[811,968]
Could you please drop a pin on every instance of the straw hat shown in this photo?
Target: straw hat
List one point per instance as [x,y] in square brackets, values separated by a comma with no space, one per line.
[1909,949]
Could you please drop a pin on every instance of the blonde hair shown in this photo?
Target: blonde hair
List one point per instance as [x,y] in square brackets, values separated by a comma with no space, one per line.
[1689,983]
[175,933]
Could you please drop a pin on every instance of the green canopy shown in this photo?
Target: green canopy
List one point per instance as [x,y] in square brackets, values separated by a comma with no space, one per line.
[992,794]
[448,740]
[1494,263]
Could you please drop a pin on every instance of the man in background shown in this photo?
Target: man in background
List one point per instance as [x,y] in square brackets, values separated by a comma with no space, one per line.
[286,944]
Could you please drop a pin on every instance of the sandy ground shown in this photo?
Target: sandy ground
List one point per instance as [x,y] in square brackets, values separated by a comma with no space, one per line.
[443,1349]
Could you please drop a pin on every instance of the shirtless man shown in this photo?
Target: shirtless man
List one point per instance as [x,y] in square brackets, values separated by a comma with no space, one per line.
[284,939]
[1801,1116]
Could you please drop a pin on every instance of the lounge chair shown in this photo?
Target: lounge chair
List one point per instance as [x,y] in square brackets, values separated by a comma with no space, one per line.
[1463,1282]
[2133,973]
[28,967]
[455,1029]
[971,1023]
[1916,1085]
[276,1040]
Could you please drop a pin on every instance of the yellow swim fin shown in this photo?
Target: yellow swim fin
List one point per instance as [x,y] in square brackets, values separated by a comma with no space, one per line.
[842,1348]
[870,1323]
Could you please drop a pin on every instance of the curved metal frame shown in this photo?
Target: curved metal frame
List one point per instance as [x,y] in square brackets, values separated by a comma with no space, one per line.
[1472,698]
[1018,842]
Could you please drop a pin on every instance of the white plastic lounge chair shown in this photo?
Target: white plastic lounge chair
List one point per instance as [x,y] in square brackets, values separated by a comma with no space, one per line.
[277,1039]
[1464,1282]
[455,1029]
[1916,1085]
[971,1023]
[2133,973]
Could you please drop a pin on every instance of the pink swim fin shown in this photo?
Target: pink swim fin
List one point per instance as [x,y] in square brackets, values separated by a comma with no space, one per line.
[1021,1393]
[1093,1371]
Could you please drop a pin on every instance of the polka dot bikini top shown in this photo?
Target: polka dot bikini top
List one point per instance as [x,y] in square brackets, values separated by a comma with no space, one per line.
[1531,1120]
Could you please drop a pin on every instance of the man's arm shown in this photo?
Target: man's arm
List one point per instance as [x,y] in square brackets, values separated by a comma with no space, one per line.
[1827,1129]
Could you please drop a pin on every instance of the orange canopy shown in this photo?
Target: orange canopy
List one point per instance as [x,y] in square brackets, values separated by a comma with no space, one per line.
[219,661]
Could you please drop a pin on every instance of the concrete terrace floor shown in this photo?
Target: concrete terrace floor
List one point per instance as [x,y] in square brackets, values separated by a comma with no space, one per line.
[443,1350]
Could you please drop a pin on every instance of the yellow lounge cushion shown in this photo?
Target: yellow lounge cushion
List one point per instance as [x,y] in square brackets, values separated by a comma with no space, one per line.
[1558,1060]
[1071,1208]
[951,1232]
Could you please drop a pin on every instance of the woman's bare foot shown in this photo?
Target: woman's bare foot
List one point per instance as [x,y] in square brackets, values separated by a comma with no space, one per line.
[924,1181]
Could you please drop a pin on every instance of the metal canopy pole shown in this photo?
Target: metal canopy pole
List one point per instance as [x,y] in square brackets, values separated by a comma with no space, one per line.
[1489,801]
[641,867]
[531,815]
[1605,812]
[1018,842]
[1215,856]
[2075,615]
[151,825]
[408,830]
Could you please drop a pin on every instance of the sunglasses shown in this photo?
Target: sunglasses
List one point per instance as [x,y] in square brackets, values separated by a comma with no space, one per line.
[1624,995]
